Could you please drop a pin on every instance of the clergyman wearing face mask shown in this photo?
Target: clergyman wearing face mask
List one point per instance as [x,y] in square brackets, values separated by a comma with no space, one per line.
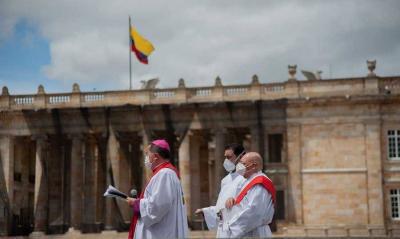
[229,186]
[250,212]
[231,160]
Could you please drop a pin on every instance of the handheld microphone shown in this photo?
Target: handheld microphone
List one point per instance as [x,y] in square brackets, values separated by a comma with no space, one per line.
[133,193]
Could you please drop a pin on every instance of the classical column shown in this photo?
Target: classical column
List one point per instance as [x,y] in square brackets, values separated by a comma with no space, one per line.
[266,149]
[376,210]
[257,140]
[100,180]
[41,187]
[219,135]
[147,172]
[284,148]
[184,171]
[77,158]
[119,152]
[7,167]
[211,170]
[110,209]
[89,198]
[195,192]
[295,185]
[135,160]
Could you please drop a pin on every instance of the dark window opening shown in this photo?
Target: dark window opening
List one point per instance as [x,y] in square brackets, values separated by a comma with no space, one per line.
[275,144]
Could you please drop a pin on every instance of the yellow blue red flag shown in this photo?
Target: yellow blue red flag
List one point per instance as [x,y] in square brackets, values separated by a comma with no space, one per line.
[140,46]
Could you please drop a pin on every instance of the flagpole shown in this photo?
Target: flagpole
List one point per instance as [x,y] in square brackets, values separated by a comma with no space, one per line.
[130,53]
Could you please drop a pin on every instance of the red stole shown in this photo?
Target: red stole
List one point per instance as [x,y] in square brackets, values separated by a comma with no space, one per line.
[264,181]
[155,171]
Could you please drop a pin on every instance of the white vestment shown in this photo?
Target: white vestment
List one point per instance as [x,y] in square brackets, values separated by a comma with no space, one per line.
[229,188]
[162,209]
[250,218]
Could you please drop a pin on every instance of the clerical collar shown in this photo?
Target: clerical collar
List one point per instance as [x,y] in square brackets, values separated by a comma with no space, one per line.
[159,166]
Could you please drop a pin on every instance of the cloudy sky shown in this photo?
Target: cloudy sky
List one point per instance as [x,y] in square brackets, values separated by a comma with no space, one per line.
[59,42]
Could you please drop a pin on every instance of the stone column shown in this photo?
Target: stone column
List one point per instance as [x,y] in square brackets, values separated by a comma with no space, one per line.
[266,149]
[211,170]
[147,172]
[376,211]
[110,209]
[119,153]
[295,186]
[195,192]
[257,140]
[135,160]
[184,171]
[41,188]
[7,164]
[100,180]
[219,135]
[284,148]
[77,158]
[89,199]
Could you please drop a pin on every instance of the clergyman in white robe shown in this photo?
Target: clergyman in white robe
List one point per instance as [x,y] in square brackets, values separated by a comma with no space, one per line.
[162,209]
[229,188]
[251,211]
[250,218]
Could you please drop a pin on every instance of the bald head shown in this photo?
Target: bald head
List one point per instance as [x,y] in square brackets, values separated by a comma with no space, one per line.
[253,163]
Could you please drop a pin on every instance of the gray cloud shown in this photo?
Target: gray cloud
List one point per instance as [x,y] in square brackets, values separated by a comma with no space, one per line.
[198,40]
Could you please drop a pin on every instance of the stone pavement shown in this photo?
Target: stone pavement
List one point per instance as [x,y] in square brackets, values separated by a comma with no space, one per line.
[105,235]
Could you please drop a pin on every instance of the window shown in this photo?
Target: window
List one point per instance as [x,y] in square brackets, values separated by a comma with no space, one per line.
[394,200]
[275,144]
[394,144]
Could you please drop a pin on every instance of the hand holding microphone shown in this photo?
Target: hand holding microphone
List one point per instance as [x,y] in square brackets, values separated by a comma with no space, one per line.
[134,202]
[133,198]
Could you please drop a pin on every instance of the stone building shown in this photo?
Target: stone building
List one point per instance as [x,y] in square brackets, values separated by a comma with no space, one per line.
[331,146]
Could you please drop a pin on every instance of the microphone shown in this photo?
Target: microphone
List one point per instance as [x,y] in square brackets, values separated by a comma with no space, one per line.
[133,193]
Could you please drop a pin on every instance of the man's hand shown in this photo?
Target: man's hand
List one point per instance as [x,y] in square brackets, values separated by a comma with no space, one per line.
[229,203]
[130,201]
[198,211]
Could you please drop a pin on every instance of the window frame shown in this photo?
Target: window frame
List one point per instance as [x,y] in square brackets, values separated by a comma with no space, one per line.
[396,137]
[397,196]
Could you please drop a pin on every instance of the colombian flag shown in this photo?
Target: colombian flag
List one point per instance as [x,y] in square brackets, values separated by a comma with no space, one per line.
[142,47]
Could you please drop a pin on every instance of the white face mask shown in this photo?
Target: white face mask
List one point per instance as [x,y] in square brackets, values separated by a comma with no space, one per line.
[147,162]
[228,165]
[240,169]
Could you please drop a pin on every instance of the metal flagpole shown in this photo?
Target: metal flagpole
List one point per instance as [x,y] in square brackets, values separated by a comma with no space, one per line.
[130,55]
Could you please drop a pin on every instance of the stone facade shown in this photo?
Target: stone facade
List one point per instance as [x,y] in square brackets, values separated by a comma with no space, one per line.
[324,144]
